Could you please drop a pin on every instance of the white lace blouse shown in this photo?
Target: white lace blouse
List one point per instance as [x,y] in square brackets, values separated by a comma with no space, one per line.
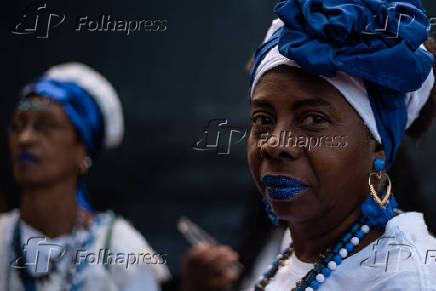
[403,258]
[143,274]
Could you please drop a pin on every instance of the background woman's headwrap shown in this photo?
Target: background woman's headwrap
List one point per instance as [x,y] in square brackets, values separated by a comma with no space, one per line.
[90,102]
[370,50]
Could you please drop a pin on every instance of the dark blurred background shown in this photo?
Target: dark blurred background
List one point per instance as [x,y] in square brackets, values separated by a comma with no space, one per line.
[171,84]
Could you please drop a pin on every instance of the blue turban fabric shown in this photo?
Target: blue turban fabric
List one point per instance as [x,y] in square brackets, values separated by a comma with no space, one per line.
[84,114]
[375,40]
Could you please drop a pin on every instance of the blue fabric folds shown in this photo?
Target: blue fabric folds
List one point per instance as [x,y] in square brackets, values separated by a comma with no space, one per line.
[84,114]
[79,106]
[372,39]
[378,216]
[375,40]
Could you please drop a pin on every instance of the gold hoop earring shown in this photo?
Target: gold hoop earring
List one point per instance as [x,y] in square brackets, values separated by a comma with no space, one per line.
[85,165]
[379,175]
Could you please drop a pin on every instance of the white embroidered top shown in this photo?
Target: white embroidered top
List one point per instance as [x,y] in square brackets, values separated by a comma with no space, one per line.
[403,258]
[142,270]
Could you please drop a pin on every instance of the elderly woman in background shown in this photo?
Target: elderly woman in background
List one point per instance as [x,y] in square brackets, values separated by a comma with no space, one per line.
[56,241]
[332,69]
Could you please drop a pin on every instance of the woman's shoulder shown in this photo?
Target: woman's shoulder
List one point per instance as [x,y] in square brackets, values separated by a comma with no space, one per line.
[408,253]
[400,259]
[127,240]
[8,216]
[411,227]
[6,220]
[124,236]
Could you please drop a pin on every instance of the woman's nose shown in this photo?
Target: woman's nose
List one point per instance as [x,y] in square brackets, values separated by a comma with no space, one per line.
[280,144]
[27,135]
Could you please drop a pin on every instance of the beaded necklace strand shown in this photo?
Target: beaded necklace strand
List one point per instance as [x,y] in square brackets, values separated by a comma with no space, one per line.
[77,242]
[326,264]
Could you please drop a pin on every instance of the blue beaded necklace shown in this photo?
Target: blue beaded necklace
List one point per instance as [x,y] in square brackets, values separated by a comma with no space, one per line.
[327,262]
[29,282]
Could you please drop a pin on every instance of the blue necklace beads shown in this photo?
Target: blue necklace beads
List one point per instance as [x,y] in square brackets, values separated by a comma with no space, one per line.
[327,262]
[78,242]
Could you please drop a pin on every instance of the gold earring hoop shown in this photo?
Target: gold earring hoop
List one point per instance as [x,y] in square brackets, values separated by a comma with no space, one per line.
[379,175]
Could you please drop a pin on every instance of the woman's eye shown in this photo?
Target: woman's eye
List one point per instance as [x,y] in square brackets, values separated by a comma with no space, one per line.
[17,125]
[45,126]
[261,120]
[314,120]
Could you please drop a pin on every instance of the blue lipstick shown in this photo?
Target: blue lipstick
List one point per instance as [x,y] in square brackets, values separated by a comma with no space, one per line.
[281,187]
[28,158]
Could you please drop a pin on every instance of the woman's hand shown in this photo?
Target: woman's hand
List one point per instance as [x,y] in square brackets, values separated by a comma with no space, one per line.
[208,268]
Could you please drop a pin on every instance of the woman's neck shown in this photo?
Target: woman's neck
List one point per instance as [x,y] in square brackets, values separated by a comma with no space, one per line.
[312,240]
[51,209]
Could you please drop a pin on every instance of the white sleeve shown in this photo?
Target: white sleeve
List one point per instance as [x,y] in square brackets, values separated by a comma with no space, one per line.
[143,280]
[146,268]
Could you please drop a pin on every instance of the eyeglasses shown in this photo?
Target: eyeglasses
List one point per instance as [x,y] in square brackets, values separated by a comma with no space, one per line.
[42,124]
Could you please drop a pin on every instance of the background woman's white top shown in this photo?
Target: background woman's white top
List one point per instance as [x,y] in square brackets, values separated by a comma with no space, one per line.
[125,240]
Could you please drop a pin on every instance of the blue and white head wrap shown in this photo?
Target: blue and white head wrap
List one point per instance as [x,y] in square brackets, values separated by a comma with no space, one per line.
[90,102]
[371,50]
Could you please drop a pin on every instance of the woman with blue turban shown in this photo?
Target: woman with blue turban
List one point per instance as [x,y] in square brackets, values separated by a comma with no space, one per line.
[334,88]
[56,241]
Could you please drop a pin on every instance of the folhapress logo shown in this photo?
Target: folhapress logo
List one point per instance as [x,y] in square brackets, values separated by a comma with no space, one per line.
[38,255]
[219,135]
[388,254]
[38,20]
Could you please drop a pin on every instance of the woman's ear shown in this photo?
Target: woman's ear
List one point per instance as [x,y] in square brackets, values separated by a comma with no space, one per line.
[81,155]
[380,152]
[377,151]
[82,150]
